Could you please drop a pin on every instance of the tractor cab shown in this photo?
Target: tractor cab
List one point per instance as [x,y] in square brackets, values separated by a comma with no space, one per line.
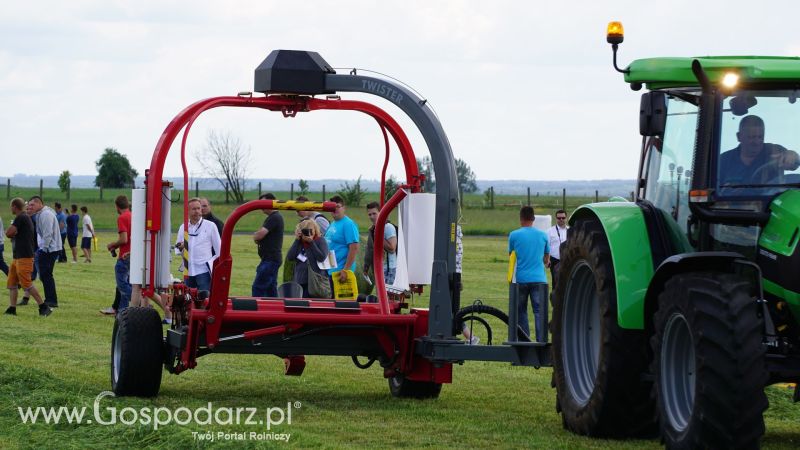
[742,117]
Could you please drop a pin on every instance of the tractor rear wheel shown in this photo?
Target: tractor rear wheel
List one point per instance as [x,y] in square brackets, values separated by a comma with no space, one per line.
[402,387]
[709,363]
[597,366]
[137,353]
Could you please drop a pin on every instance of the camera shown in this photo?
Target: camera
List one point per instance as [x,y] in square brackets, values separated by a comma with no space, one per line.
[113,253]
[307,232]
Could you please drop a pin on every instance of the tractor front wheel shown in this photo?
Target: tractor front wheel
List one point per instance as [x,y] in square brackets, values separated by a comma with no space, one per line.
[709,363]
[137,353]
[598,367]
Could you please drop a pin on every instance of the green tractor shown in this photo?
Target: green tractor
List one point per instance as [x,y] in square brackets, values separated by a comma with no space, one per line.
[674,312]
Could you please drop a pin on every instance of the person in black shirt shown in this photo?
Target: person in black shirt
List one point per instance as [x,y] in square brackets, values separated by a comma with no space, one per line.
[23,242]
[205,210]
[269,239]
[753,161]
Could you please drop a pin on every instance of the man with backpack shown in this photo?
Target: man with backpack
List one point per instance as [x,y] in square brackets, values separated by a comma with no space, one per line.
[389,246]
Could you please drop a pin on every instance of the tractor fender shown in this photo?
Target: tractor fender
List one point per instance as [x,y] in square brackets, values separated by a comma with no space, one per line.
[682,263]
[628,238]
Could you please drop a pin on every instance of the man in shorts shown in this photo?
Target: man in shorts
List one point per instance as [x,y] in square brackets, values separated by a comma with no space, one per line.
[88,235]
[23,238]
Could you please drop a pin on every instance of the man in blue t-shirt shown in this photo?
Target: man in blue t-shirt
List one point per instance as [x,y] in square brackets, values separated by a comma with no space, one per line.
[533,255]
[72,231]
[61,216]
[342,237]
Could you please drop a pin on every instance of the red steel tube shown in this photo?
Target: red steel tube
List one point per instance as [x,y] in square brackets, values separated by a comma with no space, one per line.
[377,255]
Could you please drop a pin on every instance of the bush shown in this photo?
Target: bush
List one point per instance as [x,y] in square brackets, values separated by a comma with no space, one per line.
[352,195]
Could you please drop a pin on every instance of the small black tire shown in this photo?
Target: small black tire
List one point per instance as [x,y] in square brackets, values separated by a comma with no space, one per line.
[709,362]
[467,313]
[401,387]
[137,353]
[598,366]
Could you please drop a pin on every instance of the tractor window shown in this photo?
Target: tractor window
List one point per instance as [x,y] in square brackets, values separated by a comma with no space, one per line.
[669,161]
[758,159]
[759,144]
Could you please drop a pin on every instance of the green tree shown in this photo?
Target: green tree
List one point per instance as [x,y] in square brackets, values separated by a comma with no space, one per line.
[390,188]
[466,177]
[425,168]
[114,170]
[64,181]
[352,195]
[302,187]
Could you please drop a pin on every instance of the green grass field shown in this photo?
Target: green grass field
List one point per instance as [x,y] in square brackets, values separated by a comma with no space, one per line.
[63,360]
[476,219]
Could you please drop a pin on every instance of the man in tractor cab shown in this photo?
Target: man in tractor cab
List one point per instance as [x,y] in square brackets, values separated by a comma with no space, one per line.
[753,160]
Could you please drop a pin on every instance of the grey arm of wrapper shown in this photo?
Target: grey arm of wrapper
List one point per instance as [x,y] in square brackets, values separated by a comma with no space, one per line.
[443,268]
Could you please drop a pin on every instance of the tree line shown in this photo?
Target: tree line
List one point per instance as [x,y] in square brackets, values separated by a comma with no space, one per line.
[227,160]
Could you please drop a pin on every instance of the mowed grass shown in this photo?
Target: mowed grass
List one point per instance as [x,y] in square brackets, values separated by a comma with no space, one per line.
[63,360]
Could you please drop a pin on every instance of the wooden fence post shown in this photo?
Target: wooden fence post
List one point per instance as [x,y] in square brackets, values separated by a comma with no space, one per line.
[259,189]
[323,192]
[41,188]
[596,196]
[529,196]
[564,198]
[8,189]
[197,189]
[291,191]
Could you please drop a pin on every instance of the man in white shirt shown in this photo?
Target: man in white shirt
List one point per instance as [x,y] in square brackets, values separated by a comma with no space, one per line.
[87,236]
[557,234]
[204,247]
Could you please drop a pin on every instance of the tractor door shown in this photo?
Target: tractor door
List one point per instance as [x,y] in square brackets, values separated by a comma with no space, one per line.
[667,161]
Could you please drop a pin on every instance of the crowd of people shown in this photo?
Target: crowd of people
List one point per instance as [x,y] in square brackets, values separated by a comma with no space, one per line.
[321,249]
[38,234]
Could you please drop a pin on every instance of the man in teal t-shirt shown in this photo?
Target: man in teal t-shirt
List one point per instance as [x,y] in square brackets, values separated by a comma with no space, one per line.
[342,237]
[533,255]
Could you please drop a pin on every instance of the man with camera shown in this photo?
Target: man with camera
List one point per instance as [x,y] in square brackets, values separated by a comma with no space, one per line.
[203,246]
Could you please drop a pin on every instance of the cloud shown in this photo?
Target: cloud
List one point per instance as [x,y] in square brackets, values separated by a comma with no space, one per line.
[523,89]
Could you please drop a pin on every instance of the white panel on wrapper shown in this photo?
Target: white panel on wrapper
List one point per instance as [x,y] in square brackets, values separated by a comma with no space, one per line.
[542,222]
[164,236]
[419,216]
[138,236]
[401,272]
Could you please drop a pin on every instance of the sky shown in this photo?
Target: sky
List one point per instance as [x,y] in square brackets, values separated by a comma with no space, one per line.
[524,90]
